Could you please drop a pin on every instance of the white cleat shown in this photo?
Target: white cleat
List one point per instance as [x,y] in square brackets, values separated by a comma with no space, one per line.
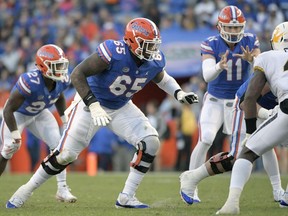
[284,200]
[126,201]
[64,195]
[19,198]
[278,194]
[229,209]
[188,189]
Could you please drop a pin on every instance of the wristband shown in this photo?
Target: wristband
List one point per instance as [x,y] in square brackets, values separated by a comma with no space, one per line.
[89,98]
[176,92]
[250,125]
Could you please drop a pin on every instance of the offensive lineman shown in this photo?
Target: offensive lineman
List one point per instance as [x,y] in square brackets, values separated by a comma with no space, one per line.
[27,107]
[106,82]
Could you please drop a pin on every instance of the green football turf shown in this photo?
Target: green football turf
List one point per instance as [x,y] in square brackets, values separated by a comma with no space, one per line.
[97,195]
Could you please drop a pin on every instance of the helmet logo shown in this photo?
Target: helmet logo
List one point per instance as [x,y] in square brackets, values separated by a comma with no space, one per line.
[45,54]
[278,36]
[139,28]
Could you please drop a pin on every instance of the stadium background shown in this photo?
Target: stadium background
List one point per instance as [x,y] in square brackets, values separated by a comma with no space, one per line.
[78,26]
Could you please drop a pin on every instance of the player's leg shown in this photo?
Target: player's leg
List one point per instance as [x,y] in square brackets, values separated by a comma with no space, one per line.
[8,148]
[270,163]
[77,136]
[210,121]
[131,124]
[259,142]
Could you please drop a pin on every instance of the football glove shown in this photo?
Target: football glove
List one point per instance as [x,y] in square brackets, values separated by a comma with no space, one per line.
[9,150]
[187,98]
[98,114]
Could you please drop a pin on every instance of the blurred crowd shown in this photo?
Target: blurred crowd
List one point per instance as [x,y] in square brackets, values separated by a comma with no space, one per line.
[78,26]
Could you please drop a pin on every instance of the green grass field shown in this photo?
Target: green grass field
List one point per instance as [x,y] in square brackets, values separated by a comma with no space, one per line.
[97,195]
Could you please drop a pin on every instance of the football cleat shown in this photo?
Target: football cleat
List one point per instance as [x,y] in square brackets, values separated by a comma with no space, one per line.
[19,198]
[126,201]
[196,198]
[187,188]
[278,194]
[284,200]
[64,195]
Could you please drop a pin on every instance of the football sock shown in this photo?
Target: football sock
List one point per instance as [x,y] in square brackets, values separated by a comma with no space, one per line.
[37,179]
[240,173]
[61,178]
[132,182]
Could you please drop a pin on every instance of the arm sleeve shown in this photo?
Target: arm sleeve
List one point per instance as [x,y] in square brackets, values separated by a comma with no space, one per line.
[210,69]
[168,84]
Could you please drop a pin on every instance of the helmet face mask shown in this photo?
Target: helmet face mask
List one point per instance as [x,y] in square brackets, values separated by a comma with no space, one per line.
[279,39]
[231,24]
[143,38]
[52,62]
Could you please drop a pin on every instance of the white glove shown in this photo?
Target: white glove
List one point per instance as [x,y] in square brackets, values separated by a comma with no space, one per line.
[98,114]
[9,150]
[245,140]
[187,98]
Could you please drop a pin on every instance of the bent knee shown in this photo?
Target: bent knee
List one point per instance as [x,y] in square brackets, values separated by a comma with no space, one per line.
[66,156]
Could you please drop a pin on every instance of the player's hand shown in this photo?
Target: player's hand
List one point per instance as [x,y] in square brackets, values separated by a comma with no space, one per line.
[246,55]
[187,98]
[10,149]
[245,140]
[223,61]
[98,114]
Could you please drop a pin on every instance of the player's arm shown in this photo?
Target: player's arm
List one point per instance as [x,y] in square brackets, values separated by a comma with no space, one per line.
[60,105]
[13,103]
[211,69]
[171,87]
[253,92]
[90,66]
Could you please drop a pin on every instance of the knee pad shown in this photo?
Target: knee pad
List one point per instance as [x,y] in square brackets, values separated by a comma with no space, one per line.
[145,154]
[223,161]
[51,165]
[66,157]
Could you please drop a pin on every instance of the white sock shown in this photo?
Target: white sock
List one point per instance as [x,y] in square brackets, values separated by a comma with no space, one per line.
[61,178]
[240,173]
[199,154]
[233,197]
[132,182]
[200,173]
[271,166]
[39,177]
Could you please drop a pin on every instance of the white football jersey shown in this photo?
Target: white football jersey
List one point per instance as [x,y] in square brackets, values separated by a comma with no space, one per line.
[274,64]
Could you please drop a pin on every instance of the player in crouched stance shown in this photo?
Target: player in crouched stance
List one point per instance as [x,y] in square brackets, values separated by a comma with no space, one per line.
[106,81]
[269,67]
[27,107]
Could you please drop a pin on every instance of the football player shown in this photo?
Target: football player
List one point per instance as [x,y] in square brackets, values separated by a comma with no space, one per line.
[226,61]
[28,107]
[271,67]
[106,82]
[223,161]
